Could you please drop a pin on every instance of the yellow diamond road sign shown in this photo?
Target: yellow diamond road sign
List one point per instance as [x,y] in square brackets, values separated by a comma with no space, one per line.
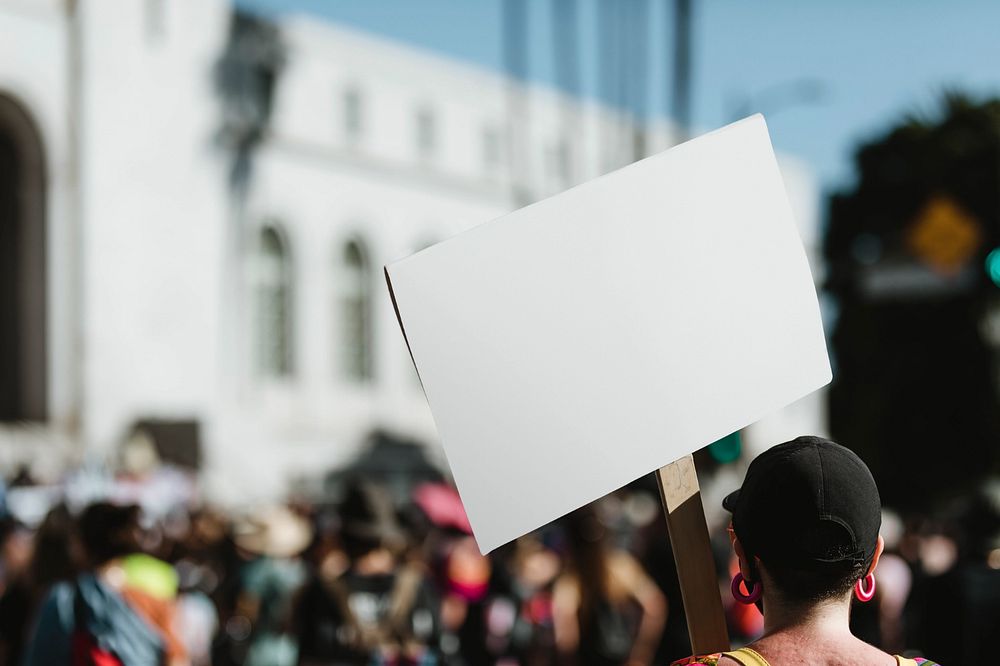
[944,236]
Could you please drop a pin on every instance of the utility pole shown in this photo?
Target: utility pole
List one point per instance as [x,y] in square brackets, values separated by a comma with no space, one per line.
[515,56]
[637,35]
[75,214]
[681,98]
[565,40]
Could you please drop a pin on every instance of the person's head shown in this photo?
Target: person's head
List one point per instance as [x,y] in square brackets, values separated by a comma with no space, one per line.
[57,553]
[108,531]
[584,531]
[808,514]
[272,531]
[15,548]
[368,520]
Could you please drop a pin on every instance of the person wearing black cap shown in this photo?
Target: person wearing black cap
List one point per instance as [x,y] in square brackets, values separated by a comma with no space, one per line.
[805,528]
[382,609]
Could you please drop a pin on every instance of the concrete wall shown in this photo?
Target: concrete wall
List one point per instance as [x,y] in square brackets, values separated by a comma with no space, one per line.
[154,211]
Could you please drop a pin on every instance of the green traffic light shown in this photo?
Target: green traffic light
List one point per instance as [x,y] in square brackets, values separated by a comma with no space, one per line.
[993,266]
[727,449]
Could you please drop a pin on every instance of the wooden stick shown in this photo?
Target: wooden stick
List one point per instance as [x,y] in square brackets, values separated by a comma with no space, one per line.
[681,497]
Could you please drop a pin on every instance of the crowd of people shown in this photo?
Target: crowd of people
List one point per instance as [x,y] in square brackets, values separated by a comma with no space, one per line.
[372,580]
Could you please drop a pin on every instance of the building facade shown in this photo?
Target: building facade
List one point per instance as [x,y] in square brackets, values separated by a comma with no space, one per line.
[197,206]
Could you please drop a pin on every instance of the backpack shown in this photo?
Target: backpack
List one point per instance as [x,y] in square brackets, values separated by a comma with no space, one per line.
[84,650]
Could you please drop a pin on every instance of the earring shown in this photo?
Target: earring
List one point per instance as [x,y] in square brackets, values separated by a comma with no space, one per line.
[755,591]
[859,588]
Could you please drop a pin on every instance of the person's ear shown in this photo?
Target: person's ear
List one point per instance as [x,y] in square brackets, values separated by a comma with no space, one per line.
[879,547]
[741,555]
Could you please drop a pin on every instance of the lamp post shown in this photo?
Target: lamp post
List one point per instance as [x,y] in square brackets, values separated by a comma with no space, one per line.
[781,96]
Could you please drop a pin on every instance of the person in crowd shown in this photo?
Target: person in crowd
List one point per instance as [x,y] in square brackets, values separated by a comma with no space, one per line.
[518,621]
[198,579]
[894,579]
[606,609]
[57,555]
[381,610]
[16,601]
[441,536]
[108,614]
[805,527]
[956,613]
[54,558]
[271,540]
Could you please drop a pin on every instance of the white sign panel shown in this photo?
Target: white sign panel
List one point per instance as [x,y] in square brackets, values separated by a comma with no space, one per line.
[574,345]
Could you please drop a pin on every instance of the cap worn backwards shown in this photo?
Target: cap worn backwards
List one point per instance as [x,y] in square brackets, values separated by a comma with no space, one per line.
[807,502]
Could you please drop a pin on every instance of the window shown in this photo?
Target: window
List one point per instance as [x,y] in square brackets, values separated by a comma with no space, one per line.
[561,163]
[355,313]
[156,19]
[426,133]
[491,148]
[271,287]
[353,108]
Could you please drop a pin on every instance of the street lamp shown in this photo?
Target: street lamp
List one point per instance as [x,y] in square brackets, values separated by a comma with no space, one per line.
[780,97]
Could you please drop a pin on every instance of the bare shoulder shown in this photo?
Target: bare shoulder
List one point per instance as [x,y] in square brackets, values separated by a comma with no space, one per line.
[704,660]
[781,650]
[625,567]
[566,590]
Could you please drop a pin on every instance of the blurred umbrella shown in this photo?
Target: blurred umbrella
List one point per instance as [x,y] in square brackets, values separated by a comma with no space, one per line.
[443,506]
[399,465]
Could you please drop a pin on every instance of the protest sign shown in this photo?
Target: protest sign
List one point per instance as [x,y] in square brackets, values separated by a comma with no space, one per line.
[579,343]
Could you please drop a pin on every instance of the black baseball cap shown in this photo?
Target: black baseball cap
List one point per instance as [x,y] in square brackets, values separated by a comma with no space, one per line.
[807,503]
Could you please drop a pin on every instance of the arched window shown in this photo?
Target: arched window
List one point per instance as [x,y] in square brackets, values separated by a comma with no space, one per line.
[427,133]
[24,354]
[353,109]
[355,312]
[271,288]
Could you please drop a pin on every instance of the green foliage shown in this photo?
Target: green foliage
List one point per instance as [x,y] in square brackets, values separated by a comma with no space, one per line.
[955,151]
[914,385]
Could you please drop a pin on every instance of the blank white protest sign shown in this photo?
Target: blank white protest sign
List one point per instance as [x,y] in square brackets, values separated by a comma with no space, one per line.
[579,343]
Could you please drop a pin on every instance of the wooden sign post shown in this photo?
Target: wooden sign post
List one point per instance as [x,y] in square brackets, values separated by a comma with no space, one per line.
[594,328]
[681,497]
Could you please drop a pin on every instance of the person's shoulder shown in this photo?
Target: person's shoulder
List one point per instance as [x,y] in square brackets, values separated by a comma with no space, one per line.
[716,659]
[705,659]
[914,661]
[619,557]
[626,568]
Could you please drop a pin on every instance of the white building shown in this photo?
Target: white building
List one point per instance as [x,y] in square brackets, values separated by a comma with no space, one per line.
[148,273]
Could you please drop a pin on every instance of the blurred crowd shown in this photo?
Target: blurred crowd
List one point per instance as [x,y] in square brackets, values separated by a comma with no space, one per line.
[373,579]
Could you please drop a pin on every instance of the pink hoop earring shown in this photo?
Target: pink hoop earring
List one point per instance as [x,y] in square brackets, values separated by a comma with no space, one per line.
[755,591]
[859,588]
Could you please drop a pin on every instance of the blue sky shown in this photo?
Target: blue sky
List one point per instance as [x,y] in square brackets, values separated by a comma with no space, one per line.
[870,61]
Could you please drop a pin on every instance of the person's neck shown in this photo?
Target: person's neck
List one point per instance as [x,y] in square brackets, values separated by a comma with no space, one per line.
[830,617]
[795,634]
[111,573]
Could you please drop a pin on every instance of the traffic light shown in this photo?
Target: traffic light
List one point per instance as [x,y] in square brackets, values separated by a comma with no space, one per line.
[993,266]
[727,449]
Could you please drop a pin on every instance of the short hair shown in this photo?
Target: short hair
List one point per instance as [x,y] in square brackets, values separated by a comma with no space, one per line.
[107,531]
[816,582]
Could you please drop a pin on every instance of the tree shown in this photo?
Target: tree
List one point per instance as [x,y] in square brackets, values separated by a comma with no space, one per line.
[914,387]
